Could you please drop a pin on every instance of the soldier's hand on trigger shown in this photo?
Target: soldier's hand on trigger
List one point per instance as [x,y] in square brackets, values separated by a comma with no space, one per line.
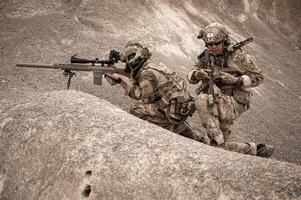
[111,81]
[202,74]
[229,79]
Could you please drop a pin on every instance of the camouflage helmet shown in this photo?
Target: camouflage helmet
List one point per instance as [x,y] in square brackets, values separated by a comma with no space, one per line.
[214,33]
[135,54]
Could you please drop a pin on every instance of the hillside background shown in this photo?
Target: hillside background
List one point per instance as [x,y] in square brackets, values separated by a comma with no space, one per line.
[41,31]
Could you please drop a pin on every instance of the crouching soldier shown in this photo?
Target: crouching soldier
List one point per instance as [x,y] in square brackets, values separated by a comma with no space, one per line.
[225,73]
[161,95]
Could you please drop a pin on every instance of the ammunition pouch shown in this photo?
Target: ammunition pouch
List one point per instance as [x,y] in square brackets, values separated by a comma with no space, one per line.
[175,101]
[177,107]
[174,110]
[242,96]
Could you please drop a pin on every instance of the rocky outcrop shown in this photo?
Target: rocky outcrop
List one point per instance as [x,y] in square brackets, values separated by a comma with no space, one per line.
[71,145]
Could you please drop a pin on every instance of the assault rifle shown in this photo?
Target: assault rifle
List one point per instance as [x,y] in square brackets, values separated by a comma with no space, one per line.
[213,75]
[214,79]
[216,76]
[98,67]
[214,72]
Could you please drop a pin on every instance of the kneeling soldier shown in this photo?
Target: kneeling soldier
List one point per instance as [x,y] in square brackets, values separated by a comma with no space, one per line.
[161,95]
[223,93]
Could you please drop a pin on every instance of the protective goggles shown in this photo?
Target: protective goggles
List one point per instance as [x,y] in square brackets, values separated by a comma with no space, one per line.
[214,43]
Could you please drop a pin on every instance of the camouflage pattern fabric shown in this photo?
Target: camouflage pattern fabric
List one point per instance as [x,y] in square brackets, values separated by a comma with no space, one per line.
[231,101]
[150,112]
[162,99]
[218,129]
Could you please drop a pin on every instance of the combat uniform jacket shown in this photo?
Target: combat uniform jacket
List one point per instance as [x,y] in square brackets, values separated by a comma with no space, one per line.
[156,84]
[251,74]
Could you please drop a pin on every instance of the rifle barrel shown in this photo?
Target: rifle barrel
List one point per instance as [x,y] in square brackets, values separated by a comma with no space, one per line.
[75,67]
[38,66]
[78,67]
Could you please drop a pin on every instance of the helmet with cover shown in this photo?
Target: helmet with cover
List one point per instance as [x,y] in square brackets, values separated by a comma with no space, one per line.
[134,55]
[214,33]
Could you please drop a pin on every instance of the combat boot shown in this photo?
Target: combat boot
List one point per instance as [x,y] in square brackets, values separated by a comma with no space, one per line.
[265,150]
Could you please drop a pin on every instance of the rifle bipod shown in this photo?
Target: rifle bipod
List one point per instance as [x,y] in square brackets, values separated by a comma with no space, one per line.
[70,74]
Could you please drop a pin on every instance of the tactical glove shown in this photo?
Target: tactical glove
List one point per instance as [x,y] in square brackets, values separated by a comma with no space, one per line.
[201,74]
[112,81]
[229,79]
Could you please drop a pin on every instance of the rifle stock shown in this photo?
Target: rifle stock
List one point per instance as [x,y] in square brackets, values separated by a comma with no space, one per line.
[231,70]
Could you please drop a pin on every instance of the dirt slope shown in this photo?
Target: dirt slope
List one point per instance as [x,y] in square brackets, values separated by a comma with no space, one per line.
[51,31]
[71,145]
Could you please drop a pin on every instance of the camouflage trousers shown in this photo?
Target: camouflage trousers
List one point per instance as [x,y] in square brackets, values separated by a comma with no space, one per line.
[151,113]
[218,127]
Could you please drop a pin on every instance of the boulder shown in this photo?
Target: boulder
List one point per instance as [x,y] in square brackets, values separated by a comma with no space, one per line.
[72,145]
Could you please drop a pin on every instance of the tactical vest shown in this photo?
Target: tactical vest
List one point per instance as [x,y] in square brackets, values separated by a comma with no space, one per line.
[242,96]
[173,98]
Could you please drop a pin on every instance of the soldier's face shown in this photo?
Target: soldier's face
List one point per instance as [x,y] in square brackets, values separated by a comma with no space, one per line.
[216,48]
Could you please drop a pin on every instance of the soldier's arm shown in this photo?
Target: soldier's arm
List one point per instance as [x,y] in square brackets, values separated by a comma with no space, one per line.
[145,89]
[133,91]
[252,74]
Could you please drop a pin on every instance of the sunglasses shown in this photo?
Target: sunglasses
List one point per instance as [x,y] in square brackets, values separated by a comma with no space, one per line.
[215,43]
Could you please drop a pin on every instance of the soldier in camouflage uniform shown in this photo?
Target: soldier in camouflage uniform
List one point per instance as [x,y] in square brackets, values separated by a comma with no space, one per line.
[231,97]
[161,95]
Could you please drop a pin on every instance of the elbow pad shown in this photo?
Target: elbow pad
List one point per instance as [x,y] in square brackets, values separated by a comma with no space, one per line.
[246,82]
[191,77]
